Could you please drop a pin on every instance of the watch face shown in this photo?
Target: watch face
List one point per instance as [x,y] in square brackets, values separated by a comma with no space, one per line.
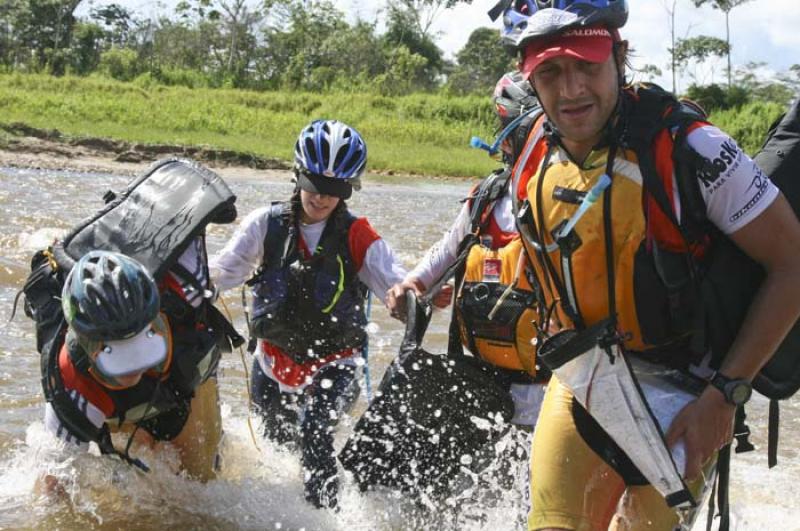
[740,393]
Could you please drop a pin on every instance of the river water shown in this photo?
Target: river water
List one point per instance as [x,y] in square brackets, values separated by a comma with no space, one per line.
[260,487]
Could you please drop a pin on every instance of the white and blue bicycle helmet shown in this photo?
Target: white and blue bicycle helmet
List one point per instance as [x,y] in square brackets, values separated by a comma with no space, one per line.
[330,157]
[524,20]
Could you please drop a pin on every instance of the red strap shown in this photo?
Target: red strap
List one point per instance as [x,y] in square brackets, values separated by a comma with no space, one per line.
[173,284]
[532,164]
[303,247]
[85,385]
[659,226]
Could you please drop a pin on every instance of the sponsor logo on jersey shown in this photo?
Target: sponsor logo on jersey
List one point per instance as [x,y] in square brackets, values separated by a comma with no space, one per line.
[760,185]
[723,165]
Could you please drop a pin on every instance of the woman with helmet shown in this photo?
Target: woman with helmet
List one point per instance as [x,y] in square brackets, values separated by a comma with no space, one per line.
[314,262]
[124,365]
[493,328]
[622,279]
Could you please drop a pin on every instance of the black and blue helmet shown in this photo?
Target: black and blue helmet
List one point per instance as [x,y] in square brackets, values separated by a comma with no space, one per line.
[109,296]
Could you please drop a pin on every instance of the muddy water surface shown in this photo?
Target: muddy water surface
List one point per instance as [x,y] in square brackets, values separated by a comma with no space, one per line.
[261,487]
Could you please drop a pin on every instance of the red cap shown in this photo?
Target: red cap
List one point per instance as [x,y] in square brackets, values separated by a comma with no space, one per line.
[588,44]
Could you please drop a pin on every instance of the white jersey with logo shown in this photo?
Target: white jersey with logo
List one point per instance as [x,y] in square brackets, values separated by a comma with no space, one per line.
[734,188]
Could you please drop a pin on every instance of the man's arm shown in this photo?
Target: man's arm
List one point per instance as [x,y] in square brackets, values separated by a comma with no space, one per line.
[773,240]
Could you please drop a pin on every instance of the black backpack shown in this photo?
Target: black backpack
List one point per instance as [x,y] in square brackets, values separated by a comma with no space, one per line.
[715,300]
[729,282]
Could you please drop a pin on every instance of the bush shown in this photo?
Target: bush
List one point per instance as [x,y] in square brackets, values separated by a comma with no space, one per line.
[748,124]
[711,97]
[181,77]
[120,63]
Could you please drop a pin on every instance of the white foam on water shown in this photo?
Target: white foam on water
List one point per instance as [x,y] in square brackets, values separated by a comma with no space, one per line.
[257,489]
[39,239]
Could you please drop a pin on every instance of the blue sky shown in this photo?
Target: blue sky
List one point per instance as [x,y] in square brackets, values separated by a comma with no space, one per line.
[761,30]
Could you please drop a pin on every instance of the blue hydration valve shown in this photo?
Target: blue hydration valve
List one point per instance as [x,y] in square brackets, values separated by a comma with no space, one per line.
[479,143]
[590,199]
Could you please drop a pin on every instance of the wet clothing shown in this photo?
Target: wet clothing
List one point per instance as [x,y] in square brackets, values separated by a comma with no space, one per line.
[735,192]
[500,233]
[320,289]
[308,419]
[160,402]
[734,197]
[588,500]
[375,265]
[301,396]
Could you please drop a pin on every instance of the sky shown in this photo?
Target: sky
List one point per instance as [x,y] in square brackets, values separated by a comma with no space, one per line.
[761,30]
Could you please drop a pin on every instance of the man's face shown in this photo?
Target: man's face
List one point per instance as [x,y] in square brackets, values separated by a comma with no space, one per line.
[578,96]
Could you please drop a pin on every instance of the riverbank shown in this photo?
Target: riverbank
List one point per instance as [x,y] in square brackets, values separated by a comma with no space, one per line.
[26,147]
[22,146]
[73,118]
[419,134]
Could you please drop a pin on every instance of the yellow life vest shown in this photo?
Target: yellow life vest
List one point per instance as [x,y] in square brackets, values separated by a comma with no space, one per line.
[495,307]
[580,268]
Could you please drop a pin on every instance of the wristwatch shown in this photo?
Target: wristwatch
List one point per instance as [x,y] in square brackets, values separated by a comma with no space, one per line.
[736,391]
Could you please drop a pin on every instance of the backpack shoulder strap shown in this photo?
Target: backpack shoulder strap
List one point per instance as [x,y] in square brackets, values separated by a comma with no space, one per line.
[484,197]
[656,111]
[277,244]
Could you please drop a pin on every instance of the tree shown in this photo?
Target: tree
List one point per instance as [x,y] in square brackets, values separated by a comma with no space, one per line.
[45,28]
[481,62]
[674,65]
[237,33]
[86,47]
[698,49]
[726,6]
[423,13]
[294,43]
[405,72]
[117,21]
[791,79]
[746,78]
[11,14]
[651,71]
[403,30]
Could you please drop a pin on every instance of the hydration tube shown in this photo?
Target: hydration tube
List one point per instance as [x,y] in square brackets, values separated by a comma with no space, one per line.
[590,199]
[365,352]
[479,143]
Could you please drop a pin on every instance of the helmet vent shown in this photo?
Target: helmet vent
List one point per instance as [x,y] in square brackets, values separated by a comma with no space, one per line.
[311,153]
[340,156]
[324,147]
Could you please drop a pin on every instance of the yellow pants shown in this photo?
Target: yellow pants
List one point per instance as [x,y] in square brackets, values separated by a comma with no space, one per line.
[573,488]
[198,442]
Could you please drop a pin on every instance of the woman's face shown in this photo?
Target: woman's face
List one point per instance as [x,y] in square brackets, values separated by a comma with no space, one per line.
[316,207]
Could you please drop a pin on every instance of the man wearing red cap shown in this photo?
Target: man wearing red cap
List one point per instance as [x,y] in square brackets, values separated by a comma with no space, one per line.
[618,180]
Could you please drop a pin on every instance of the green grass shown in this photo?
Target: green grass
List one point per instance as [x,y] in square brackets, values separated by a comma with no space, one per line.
[422,134]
